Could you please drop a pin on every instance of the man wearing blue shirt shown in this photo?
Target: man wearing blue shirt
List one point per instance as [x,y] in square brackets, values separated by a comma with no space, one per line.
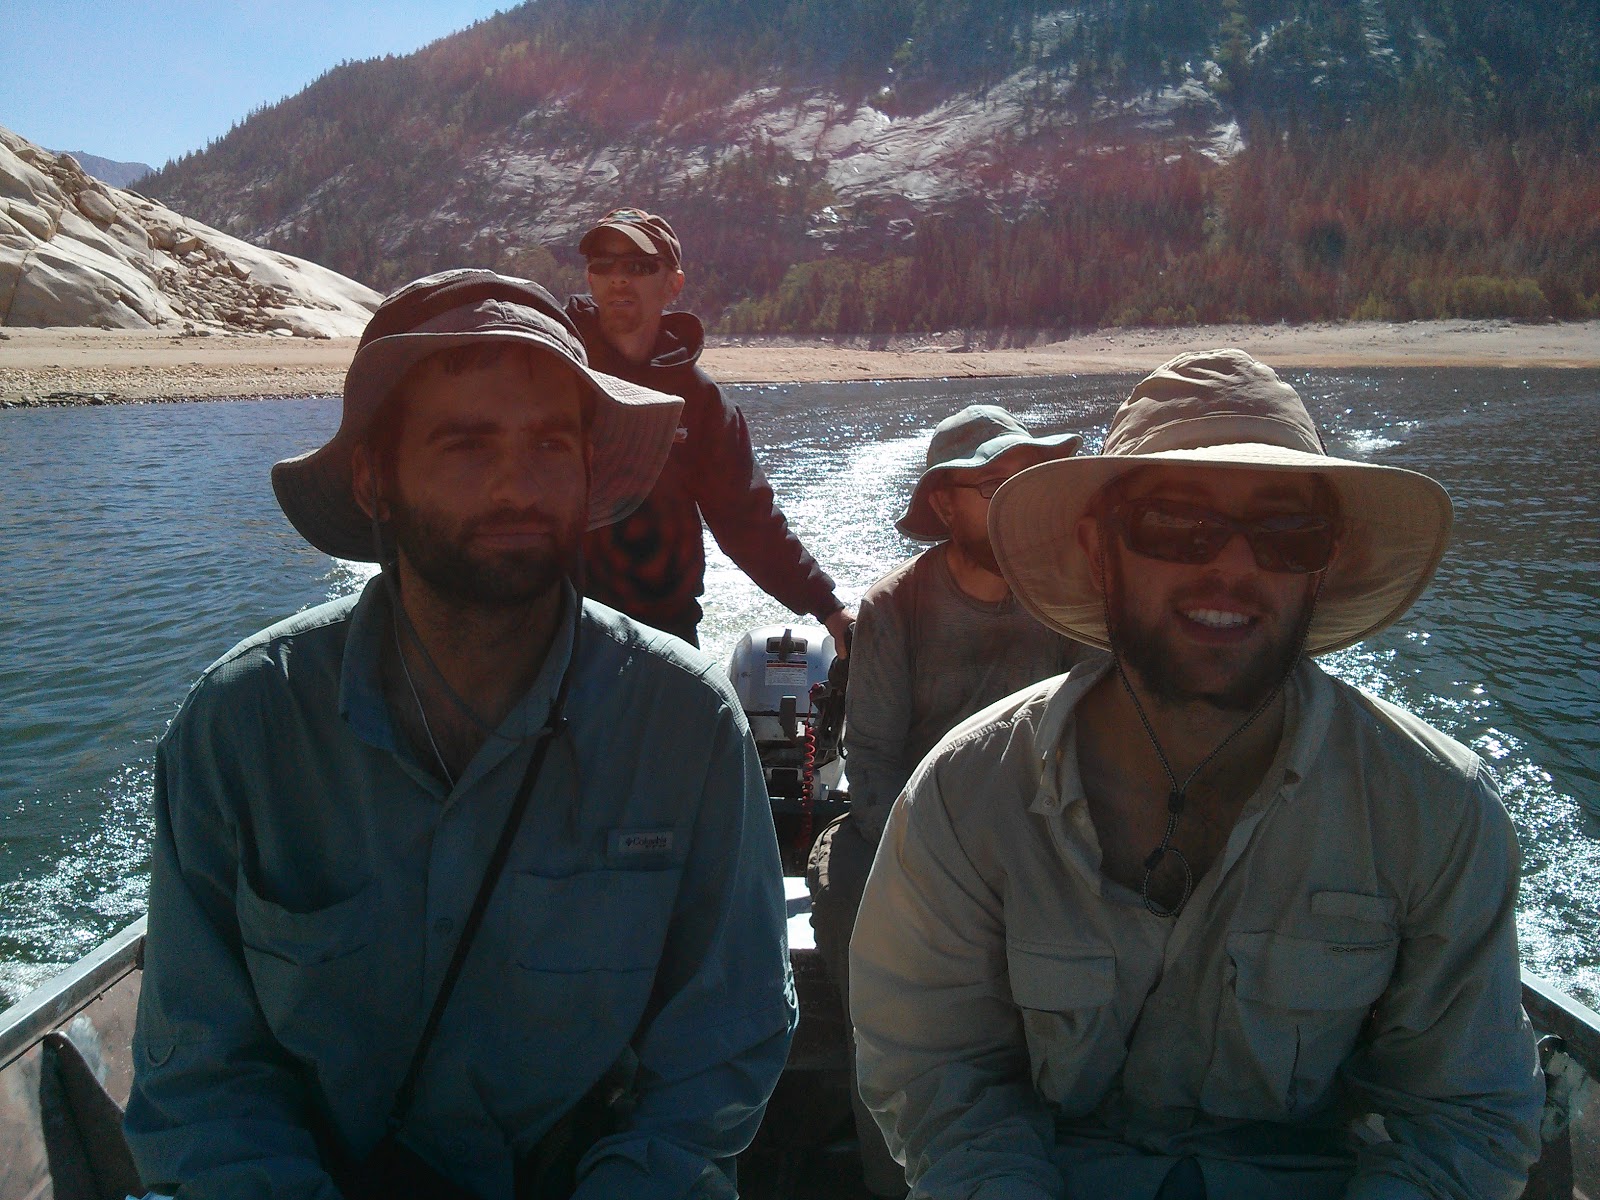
[432,861]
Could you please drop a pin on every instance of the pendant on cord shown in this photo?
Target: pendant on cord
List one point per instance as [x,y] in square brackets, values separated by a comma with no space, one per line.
[1175,801]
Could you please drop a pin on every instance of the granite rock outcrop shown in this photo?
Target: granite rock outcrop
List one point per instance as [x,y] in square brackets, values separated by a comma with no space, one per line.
[77,252]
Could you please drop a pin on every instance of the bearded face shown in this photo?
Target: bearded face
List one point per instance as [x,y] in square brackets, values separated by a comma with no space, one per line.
[1224,633]
[487,500]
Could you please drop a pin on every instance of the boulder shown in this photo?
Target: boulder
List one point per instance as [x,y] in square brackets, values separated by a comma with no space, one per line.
[74,252]
[31,217]
[59,285]
[96,207]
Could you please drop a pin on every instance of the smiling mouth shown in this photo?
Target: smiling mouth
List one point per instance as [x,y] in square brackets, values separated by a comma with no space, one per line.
[1216,618]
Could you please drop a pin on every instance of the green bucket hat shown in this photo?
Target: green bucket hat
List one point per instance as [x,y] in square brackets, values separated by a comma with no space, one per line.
[974,437]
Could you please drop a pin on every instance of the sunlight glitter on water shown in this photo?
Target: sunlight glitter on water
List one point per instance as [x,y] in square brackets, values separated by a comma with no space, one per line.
[1558,918]
[845,516]
[97,884]
[128,574]
[345,578]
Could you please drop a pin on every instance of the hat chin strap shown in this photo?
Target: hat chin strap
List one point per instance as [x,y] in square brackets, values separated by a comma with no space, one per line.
[388,571]
[1178,797]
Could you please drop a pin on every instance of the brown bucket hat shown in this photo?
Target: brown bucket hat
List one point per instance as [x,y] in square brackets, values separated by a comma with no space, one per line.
[631,433]
[974,437]
[1223,410]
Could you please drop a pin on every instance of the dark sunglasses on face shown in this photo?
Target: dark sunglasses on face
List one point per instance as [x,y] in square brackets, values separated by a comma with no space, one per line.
[635,265]
[1171,531]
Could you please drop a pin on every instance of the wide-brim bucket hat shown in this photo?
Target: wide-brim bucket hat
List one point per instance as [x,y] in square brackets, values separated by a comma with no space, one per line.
[631,432]
[1223,410]
[977,436]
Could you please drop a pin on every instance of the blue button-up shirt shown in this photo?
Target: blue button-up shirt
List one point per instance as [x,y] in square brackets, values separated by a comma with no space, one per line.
[310,878]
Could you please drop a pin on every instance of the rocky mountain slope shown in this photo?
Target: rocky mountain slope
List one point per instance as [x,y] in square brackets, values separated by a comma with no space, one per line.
[817,156]
[76,252]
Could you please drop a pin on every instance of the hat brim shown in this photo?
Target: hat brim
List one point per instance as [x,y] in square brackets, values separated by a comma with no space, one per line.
[638,234]
[1395,527]
[631,434]
[920,523]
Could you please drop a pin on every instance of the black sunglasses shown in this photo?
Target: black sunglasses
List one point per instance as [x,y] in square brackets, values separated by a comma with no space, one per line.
[987,488]
[635,265]
[1170,531]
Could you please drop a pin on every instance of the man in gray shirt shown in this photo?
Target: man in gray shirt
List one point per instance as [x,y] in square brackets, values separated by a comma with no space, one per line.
[937,639]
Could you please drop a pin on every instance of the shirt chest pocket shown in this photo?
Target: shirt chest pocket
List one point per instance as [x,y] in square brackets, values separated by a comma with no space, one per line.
[310,969]
[1065,996]
[585,949]
[1296,1008]
[608,921]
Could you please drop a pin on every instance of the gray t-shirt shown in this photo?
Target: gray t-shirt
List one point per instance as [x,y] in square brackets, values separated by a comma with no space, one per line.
[926,656]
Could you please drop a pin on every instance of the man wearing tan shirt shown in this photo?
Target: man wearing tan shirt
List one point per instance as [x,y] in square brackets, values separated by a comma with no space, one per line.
[1163,927]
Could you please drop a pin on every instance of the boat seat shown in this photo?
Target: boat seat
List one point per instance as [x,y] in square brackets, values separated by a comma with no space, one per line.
[82,1125]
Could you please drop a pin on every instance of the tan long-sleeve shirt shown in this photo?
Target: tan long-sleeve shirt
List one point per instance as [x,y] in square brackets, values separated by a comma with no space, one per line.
[1027,1028]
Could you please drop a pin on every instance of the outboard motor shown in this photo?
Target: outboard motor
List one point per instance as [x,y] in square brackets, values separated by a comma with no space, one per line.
[792,690]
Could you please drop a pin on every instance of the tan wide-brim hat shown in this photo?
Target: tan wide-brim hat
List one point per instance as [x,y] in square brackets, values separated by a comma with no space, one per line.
[631,433]
[1222,410]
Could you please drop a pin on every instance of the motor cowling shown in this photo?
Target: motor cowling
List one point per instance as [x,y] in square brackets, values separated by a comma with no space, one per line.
[781,674]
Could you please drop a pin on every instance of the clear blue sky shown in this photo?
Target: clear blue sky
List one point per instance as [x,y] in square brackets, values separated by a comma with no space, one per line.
[148,82]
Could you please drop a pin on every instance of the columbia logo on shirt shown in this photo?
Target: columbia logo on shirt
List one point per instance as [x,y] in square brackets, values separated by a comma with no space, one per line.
[641,841]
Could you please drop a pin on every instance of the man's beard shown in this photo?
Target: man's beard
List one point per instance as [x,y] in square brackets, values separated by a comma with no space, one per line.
[438,553]
[977,550]
[620,323]
[1151,655]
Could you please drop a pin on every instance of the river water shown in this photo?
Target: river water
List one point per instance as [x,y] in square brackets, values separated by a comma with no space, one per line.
[138,543]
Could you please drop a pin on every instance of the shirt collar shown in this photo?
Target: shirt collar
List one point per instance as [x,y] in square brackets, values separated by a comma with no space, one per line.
[361,699]
[1308,715]
[1307,718]
[360,684]
[1053,722]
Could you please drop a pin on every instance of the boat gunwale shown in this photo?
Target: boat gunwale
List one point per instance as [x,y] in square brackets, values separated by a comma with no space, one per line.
[59,997]
[1553,1011]
[24,1024]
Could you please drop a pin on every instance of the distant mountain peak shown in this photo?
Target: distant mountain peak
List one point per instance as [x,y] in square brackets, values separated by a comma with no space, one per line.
[106,170]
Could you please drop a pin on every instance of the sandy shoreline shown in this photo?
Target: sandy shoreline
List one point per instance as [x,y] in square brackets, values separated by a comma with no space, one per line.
[66,366]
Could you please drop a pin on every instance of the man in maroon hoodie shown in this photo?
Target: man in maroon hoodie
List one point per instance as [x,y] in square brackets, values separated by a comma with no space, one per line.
[652,564]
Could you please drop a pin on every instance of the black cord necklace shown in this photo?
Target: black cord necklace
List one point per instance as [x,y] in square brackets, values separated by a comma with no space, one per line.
[1179,796]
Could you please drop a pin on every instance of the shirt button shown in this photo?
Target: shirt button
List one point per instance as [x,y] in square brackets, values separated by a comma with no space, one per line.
[443,926]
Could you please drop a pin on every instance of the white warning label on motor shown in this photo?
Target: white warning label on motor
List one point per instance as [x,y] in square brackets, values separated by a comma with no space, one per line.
[790,675]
